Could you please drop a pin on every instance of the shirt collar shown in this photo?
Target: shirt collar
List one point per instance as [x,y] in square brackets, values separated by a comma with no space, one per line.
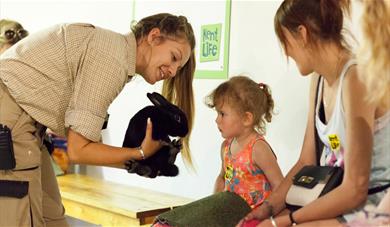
[131,54]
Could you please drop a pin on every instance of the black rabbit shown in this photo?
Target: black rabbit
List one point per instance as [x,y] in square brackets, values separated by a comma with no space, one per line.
[168,120]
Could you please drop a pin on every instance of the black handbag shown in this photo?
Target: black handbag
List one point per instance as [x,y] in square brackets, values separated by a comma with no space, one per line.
[312,182]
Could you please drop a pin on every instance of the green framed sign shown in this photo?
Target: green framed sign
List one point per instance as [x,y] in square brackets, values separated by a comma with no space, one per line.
[211,23]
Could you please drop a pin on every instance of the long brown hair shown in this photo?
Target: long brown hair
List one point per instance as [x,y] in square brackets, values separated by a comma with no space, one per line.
[323,20]
[178,89]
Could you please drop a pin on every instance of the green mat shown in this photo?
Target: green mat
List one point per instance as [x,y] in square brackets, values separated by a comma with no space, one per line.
[223,209]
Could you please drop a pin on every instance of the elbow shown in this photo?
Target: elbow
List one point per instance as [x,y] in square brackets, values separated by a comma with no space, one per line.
[73,155]
[357,190]
[359,197]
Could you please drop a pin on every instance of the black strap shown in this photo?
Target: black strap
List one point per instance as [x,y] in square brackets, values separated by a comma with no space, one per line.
[319,144]
[378,188]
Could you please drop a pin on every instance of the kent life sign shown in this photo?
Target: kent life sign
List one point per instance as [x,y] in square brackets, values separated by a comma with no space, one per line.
[210,42]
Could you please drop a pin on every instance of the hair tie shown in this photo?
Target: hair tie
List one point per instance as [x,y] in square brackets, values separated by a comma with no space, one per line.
[261,85]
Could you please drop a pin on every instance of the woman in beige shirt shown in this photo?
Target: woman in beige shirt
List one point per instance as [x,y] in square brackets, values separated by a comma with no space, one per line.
[64,78]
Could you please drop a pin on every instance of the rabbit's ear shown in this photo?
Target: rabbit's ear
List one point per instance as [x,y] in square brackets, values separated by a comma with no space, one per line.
[157,99]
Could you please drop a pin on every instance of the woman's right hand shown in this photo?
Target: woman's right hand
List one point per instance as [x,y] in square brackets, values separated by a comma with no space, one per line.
[149,145]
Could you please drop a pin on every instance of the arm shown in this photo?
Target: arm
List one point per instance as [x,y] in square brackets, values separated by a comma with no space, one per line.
[384,205]
[352,192]
[264,159]
[307,157]
[220,181]
[83,150]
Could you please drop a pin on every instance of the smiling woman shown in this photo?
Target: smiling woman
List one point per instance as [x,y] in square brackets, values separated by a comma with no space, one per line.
[160,47]
[165,50]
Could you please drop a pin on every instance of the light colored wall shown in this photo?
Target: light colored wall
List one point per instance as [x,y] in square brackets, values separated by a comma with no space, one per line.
[254,50]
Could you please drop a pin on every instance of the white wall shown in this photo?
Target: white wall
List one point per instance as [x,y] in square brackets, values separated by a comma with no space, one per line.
[254,50]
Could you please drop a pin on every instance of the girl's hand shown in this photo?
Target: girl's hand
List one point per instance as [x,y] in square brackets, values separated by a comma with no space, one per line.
[149,146]
[265,223]
[259,213]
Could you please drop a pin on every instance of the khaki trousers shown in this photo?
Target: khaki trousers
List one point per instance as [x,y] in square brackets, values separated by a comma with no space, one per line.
[42,206]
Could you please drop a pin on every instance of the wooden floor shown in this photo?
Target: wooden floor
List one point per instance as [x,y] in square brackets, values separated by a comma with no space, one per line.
[110,204]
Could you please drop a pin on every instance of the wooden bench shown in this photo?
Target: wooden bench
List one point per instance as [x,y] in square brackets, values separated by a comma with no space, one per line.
[109,204]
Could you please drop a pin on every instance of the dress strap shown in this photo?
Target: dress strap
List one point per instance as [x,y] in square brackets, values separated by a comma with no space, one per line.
[347,65]
[259,137]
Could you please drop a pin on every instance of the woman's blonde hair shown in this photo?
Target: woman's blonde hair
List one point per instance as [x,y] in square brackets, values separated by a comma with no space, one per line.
[375,53]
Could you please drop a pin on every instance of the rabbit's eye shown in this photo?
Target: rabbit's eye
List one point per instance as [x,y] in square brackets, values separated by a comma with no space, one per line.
[177,118]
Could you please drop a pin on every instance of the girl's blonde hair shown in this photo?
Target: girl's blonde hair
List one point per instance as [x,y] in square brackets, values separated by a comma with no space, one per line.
[245,95]
[375,53]
[178,89]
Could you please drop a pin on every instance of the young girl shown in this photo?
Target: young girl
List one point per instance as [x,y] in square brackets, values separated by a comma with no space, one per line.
[249,166]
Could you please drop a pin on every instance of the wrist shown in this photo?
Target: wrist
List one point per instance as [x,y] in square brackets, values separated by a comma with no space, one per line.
[137,153]
[141,152]
[269,208]
[292,220]
[273,222]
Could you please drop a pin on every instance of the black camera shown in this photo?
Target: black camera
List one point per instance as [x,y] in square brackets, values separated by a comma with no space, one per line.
[7,157]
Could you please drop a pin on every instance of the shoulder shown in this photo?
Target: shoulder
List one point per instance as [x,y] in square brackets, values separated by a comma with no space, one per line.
[101,37]
[223,146]
[351,77]
[262,154]
[354,95]
[78,25]
[261,147]
[225,143]
[353,84]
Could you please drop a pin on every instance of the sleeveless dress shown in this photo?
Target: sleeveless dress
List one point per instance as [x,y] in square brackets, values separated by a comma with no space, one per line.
[243,177]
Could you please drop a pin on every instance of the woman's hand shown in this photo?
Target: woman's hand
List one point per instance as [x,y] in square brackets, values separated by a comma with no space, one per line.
[149,146]
[280,221]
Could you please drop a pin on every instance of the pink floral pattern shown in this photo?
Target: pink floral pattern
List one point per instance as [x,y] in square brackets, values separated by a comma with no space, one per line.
[243,177]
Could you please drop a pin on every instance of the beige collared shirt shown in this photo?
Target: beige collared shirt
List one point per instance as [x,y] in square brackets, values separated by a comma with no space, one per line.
[68,75]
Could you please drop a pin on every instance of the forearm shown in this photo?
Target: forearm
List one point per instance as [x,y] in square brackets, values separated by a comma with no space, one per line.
[384,205]
[84,151]
[101,154]
[337,202]
[278,196]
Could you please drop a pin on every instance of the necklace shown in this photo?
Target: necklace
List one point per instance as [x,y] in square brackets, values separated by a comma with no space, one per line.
[329,94]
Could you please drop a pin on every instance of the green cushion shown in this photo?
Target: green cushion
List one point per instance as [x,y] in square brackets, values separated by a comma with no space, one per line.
[222,209]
